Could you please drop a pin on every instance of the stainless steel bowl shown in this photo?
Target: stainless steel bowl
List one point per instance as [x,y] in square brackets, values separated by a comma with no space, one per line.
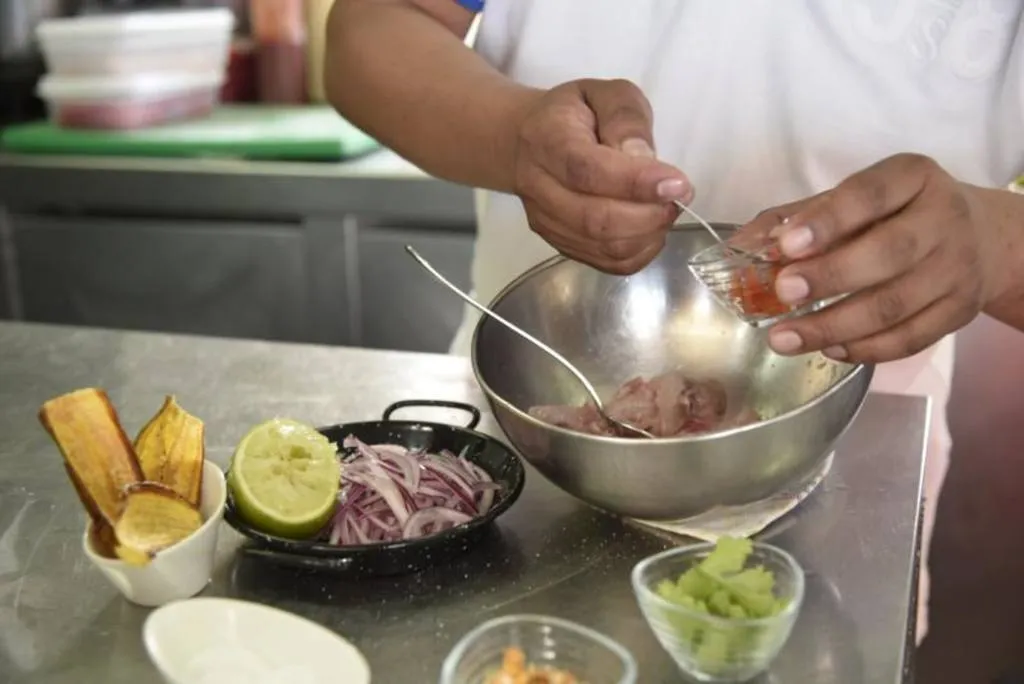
[615,328]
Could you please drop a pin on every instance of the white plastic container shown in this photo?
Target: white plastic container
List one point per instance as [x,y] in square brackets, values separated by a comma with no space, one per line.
[126,102]
[137,42]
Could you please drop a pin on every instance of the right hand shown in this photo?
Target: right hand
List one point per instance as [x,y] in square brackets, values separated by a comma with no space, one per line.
[587,175]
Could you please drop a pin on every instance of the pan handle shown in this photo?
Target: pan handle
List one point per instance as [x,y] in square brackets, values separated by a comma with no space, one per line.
[440,403]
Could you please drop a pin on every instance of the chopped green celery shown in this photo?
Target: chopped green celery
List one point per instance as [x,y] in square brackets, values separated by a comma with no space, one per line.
[721,586]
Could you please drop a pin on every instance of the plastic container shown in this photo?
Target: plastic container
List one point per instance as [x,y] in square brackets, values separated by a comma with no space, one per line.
[545,641]
[129,102]
[138,42]
[710,648]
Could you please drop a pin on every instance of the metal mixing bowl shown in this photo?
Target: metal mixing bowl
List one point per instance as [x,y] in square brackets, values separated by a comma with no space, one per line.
[616,328]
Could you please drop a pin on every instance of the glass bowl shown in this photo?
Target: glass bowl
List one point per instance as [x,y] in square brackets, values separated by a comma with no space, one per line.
[744,281]
[710,648]
[545,641]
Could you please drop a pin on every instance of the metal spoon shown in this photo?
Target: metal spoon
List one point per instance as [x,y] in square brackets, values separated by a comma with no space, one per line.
[714,233]
[623,428]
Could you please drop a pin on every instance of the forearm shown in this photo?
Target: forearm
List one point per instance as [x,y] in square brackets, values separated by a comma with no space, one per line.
[408,80]
[1006,211]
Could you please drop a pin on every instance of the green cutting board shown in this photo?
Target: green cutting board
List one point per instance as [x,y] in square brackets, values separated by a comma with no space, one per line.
[305,133]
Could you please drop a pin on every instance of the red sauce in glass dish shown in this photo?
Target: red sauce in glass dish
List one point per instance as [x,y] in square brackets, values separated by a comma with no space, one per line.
[752,286]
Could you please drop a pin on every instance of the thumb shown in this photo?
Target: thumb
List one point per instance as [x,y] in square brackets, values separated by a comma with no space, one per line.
[770,224]
[625,121]
[624,117]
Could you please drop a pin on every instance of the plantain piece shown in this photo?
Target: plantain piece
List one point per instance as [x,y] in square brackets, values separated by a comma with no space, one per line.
[101,535]
[154,518]
[170,450]
[98,456]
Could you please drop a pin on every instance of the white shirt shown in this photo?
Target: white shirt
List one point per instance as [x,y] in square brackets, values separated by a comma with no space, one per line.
[764,101]
[761,102]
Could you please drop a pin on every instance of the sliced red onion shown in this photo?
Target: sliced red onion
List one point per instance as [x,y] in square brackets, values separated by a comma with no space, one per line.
[446,471]
[395,449]
[390,493]
[351,442]
[408,466]
[485,494]
[386,489]
[429,520]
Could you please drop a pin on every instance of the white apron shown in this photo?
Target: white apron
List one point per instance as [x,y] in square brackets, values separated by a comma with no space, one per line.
[761,102]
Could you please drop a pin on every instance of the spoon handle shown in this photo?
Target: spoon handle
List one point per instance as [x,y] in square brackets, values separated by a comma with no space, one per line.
[511,326]
[714,233]
[707,226]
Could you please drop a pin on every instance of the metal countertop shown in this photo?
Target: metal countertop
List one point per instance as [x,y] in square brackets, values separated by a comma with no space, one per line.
[61,623]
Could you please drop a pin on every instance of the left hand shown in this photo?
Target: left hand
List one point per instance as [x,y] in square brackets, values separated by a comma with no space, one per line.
[911,243]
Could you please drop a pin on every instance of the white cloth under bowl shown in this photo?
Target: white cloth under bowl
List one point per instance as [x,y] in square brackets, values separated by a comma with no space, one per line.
[747,520]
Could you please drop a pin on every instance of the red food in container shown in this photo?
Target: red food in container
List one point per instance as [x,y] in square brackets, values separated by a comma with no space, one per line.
[753,289]
[744,279]
[129,102]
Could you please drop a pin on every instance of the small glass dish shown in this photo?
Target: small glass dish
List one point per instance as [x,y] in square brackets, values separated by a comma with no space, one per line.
[546,642]
[744,281]
[710,648]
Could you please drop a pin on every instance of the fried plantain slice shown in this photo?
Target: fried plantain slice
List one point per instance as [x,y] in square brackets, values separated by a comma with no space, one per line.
[154,518]
[170,450]
[102,537]
[99,458]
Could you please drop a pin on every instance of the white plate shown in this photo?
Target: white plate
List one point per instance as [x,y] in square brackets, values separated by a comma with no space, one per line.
[224,641]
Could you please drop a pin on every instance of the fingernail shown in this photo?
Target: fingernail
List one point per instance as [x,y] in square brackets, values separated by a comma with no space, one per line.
[779,229]
[689,195]
[796,240]
[792,288]
[673,189]
[837,352]
[785,341]
[637,147]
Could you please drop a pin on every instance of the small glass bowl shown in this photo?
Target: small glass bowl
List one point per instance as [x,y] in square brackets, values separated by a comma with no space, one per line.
[710,648]
[744,281]
[546,641]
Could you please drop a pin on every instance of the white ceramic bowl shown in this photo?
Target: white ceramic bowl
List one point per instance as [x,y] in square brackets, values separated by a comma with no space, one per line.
[225,641]
[180,571]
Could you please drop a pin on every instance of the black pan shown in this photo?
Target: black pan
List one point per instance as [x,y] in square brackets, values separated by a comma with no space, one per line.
[397,558]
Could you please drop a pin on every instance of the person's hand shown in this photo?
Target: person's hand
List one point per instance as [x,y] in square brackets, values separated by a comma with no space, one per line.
[588,178]
[912,244]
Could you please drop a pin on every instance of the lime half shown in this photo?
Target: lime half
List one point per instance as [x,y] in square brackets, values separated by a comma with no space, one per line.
[284,478]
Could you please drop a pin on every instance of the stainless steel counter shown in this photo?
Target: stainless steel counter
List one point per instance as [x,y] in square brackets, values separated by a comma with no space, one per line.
[61,623]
